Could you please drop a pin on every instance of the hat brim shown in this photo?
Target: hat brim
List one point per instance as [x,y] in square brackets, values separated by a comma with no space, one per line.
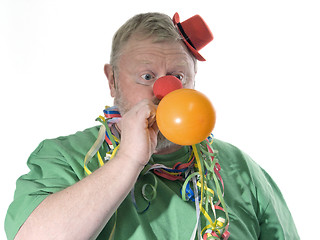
[176,20]
[194,51]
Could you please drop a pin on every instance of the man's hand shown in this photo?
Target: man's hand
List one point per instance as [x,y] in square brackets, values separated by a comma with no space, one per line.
[139,133]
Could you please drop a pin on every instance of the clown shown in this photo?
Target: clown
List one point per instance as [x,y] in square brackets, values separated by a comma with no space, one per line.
[125,180]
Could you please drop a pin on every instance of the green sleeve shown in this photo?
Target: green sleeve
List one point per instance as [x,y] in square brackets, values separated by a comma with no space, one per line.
[276,221]
[50,172]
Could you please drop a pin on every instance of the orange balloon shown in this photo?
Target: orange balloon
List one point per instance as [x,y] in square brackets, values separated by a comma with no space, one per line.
[185,117]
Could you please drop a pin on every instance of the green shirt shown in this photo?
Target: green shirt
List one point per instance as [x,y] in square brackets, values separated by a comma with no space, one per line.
[255,205]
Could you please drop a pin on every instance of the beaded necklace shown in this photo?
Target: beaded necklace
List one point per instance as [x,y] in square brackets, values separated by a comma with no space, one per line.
[201,167]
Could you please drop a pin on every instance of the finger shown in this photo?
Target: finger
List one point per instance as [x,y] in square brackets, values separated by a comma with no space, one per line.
[147,111]
[152,117]
[155,127]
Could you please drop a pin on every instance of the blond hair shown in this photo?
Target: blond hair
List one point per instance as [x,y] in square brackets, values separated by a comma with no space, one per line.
[157,26]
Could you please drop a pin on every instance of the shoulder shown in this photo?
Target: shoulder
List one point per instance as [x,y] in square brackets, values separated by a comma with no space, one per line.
[231,157]
[242,172]
[77,143]
[252,195]
[236,164]
[64,153]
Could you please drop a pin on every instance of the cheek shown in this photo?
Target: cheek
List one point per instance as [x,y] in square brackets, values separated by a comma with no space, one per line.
[136,93]
[189,84]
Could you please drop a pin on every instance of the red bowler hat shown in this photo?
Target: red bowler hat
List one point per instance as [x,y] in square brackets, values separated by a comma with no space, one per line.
[195,32]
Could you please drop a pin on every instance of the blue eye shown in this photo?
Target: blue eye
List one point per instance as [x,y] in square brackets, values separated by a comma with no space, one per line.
[147,77]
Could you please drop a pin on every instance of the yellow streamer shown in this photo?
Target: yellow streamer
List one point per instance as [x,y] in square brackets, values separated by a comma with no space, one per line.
[196,154]
[114,151]
[212,224]
[87,170]
[206,188]
[102,118]
[101,163]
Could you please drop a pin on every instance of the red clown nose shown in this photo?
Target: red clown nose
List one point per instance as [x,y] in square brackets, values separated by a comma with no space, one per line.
[165,85]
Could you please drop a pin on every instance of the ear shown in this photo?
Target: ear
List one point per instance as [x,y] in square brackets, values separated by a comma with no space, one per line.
[110,76]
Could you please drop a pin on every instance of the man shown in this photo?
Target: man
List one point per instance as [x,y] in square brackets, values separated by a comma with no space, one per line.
[55,200]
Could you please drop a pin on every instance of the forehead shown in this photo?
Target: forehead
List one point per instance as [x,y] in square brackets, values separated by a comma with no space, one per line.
[148,52]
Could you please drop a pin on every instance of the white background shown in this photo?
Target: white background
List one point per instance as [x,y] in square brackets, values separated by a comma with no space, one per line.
[261,74]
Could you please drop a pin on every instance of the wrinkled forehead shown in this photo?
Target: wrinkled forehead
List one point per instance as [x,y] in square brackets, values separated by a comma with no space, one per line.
[148,51]
[174,60]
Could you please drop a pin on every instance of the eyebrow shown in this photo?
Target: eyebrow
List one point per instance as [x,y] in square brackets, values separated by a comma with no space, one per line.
[181,63]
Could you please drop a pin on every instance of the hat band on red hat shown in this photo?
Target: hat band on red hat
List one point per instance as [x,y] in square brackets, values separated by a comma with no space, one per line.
[185,35]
